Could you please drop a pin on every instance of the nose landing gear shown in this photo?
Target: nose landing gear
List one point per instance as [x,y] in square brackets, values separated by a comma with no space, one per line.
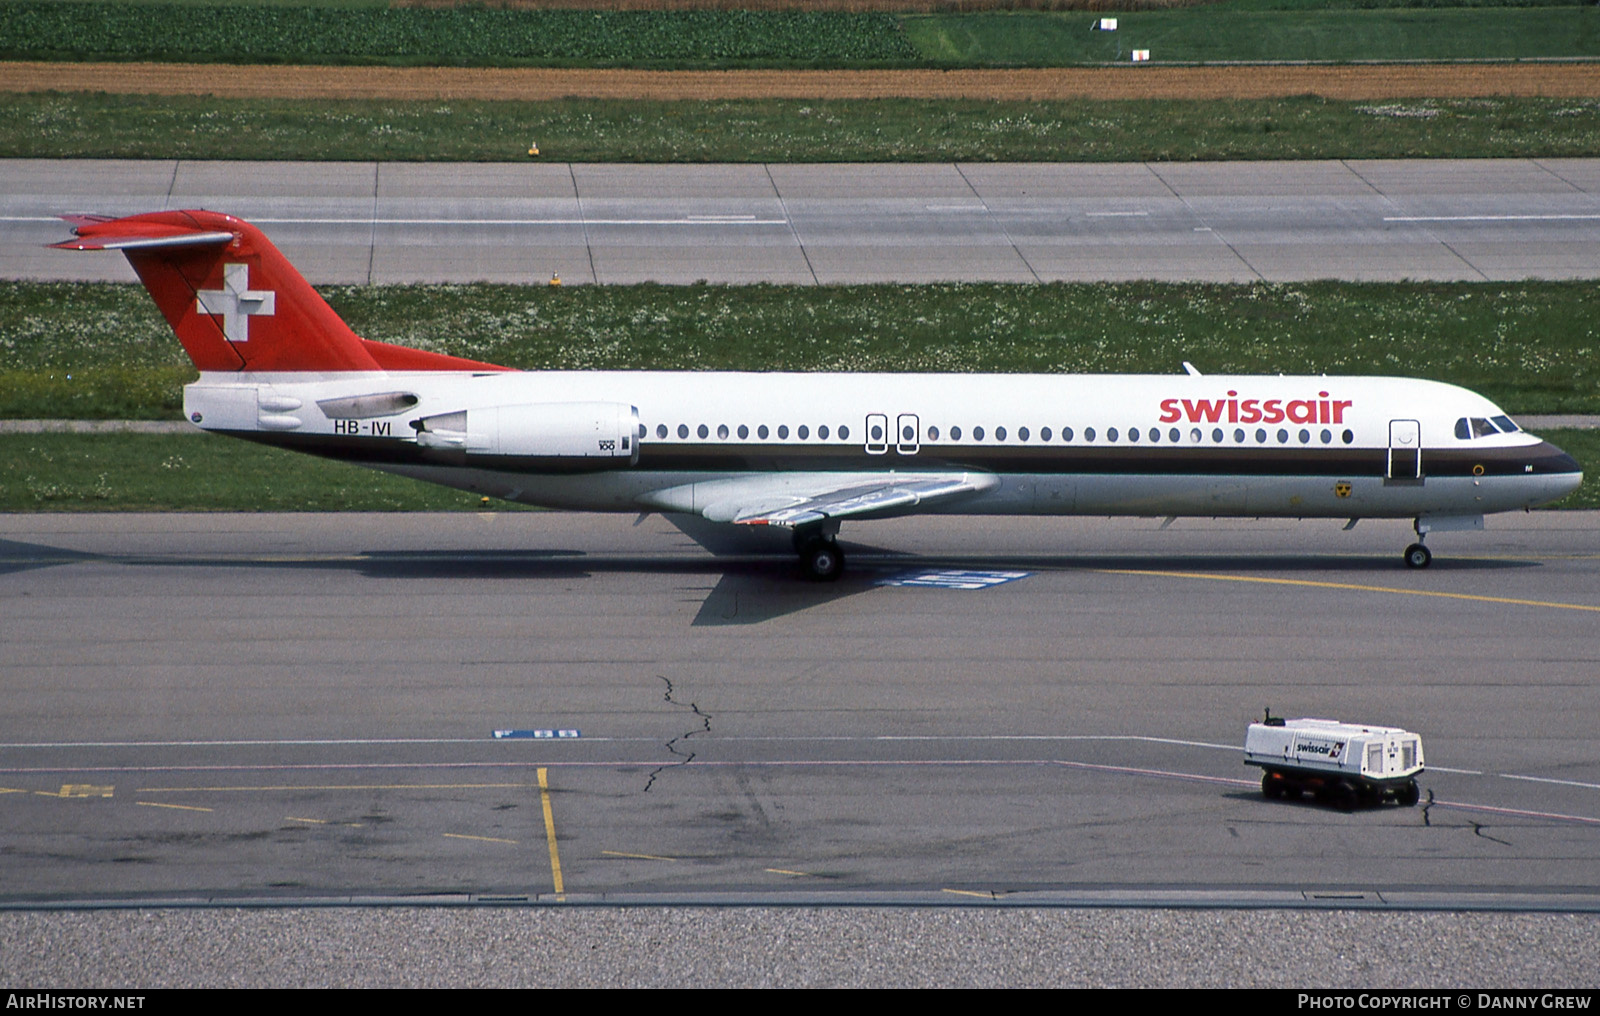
[1418,556]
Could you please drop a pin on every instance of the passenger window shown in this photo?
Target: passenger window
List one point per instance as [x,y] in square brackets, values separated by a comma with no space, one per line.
[1283,436]
[661,430]
[802,432]
[1195,436]
[955,433]
[1044,433]
[703,431]
[1238,436]
[844,432]
[762,432]
[977,433]
[783,432]
[1174,435]
[744,432]
[722,432]
[1066,433]
[1111,433]
[1133,433]
[1155,433]
[999,433]
[1216,435]
[1261,435]
[1327,437]
[1347,436]
[822,432]
[1088,433]
[1022,433]
[683,430]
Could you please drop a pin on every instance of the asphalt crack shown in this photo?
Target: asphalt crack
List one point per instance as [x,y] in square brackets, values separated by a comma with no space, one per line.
[685,757]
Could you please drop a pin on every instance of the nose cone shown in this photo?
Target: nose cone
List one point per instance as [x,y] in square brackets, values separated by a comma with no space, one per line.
[1561,471]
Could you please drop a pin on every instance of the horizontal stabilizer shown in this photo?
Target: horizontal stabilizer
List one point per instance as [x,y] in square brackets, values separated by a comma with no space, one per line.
[93,233]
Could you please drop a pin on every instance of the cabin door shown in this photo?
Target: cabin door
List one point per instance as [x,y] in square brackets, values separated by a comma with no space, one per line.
[1405,451]
[877,434]
[908,434]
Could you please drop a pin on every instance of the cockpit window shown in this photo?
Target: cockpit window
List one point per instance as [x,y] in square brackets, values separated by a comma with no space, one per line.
[1506,424]
[1468,428]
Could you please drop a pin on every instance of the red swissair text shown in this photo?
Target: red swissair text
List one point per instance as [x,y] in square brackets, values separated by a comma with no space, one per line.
[1236,410]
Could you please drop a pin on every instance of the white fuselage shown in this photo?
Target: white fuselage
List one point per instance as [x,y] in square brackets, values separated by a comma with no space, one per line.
[1072,444]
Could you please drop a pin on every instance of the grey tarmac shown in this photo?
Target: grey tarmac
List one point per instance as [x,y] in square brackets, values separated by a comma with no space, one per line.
[1362,220]
[239,713]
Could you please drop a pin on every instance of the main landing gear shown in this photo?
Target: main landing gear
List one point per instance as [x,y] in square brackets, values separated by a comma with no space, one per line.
[820,557]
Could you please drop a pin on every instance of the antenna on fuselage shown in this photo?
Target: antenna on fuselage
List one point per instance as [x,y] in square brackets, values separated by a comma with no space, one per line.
[1189,369]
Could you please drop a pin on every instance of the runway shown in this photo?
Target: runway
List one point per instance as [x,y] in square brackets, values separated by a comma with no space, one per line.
[825,224]
[291,708]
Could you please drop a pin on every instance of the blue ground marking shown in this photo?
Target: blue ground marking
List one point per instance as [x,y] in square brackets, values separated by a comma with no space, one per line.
[950,578]
[499,734]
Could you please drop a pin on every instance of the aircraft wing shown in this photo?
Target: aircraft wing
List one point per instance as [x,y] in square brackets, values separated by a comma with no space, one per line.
[789,500]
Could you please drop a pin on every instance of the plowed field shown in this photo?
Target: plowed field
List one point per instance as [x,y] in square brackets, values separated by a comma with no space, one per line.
[1386,81]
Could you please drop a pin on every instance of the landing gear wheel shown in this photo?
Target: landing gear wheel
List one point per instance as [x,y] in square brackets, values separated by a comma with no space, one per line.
[1408,795]
[1418,556]
[822,560]
[1271,787]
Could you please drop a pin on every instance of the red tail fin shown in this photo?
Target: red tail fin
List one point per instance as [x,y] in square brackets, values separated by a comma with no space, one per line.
[234,300]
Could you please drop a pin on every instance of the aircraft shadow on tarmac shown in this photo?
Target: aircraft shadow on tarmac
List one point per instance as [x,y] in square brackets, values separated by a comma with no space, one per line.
[16,556]
[750,589]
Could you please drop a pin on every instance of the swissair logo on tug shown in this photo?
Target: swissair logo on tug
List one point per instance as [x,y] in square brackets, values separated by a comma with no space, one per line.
[236,303]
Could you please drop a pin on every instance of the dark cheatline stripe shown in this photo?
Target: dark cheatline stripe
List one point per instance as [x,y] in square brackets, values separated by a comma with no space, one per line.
[1348,463]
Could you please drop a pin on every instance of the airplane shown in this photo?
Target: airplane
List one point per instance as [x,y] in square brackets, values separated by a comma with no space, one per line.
[803,452]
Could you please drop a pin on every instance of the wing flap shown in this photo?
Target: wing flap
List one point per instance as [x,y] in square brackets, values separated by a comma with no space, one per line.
[792,500]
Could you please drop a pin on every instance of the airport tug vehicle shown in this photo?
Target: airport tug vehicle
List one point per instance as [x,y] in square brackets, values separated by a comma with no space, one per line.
[1343,764]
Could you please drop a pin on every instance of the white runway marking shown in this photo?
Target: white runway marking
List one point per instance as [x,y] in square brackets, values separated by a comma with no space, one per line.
[1483,218]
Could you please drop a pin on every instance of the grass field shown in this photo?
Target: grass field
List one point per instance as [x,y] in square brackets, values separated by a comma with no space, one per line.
[1214,34]
[81,125]
[102,351]
[458,36]
[196,472]
[203,472]
[470,35]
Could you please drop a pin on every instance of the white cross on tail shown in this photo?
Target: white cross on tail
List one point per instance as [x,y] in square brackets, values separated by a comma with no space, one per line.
[236,302]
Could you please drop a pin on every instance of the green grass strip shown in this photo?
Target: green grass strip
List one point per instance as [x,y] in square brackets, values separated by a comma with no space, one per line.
[1207,34]
[100,350]
[470,35]
[83,125]
[205,472]
[196,472]
[455,36]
